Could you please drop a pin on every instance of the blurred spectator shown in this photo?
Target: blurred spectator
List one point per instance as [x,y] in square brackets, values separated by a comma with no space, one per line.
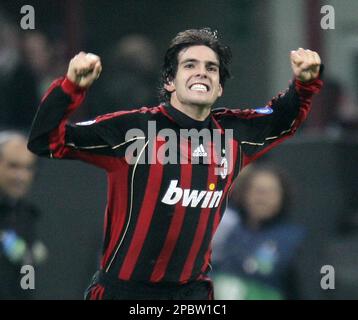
[255,247]
[18,98]
[130,78]
[18,242]
[334,112]
[45,59]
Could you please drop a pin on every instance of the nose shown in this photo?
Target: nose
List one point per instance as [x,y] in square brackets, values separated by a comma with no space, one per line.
[201,71]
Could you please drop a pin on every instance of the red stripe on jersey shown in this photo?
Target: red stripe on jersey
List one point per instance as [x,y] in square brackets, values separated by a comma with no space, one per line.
[94,292]
[57,136]
[115,114]
[145,216]
[117,207]
[240,113]
[162,109]
[101,292]
[200,231]
[177,220]
[225,194]
[107,216]
[57,140]
[217,124]
[56,83]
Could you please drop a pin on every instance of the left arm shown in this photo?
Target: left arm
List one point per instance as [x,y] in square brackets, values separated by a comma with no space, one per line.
[261,129]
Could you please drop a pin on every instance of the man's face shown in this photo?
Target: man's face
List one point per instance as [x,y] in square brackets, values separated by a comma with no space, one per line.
[197,81]
[16,168]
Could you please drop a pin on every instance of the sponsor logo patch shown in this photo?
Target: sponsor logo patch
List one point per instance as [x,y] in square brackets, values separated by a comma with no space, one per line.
[192,198]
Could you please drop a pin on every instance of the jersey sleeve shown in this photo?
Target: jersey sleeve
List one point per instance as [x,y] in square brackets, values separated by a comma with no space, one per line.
[97,141]
[258,130]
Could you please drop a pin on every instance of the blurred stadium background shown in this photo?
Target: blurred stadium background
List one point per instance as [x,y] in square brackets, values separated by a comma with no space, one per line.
[131,37]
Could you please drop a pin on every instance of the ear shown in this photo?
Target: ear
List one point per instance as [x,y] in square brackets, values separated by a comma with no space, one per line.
[221,90]
[170,87]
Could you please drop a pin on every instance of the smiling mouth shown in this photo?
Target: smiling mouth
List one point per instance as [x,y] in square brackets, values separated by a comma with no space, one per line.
[199,87]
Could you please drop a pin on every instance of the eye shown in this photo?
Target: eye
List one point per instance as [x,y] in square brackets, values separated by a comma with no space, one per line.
[212,68]
[189,66]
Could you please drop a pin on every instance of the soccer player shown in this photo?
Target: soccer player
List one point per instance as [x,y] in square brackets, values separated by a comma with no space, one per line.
[163,212]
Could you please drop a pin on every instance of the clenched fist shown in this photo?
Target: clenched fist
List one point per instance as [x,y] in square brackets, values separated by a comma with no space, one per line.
[84,68]
[305,64]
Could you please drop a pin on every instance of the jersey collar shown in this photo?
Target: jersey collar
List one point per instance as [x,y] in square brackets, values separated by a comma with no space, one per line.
[184,120]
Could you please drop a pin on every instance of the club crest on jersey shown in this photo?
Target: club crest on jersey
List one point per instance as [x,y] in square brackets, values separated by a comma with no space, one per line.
[223,168]
[264,110]
[192,198]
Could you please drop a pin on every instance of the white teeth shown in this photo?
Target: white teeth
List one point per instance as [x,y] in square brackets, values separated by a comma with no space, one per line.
[198,87]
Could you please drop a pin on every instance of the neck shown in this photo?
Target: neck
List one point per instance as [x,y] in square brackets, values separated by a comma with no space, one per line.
[199,113]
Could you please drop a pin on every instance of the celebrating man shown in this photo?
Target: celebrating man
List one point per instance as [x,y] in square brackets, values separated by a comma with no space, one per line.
[162,214]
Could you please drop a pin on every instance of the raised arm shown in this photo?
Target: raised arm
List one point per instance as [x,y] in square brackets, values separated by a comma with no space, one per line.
[260,129]
[53,136]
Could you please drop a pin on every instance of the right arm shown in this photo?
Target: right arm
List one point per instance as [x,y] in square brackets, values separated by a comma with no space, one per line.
[53,136]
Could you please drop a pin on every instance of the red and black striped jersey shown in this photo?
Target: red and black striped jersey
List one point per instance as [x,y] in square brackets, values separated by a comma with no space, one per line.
[161,215]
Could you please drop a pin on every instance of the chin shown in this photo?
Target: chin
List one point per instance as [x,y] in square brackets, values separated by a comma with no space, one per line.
[201,102]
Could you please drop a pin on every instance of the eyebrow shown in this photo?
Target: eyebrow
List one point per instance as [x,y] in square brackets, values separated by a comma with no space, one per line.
[210,63]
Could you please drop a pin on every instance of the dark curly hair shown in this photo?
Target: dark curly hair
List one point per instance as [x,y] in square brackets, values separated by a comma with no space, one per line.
[188,38]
